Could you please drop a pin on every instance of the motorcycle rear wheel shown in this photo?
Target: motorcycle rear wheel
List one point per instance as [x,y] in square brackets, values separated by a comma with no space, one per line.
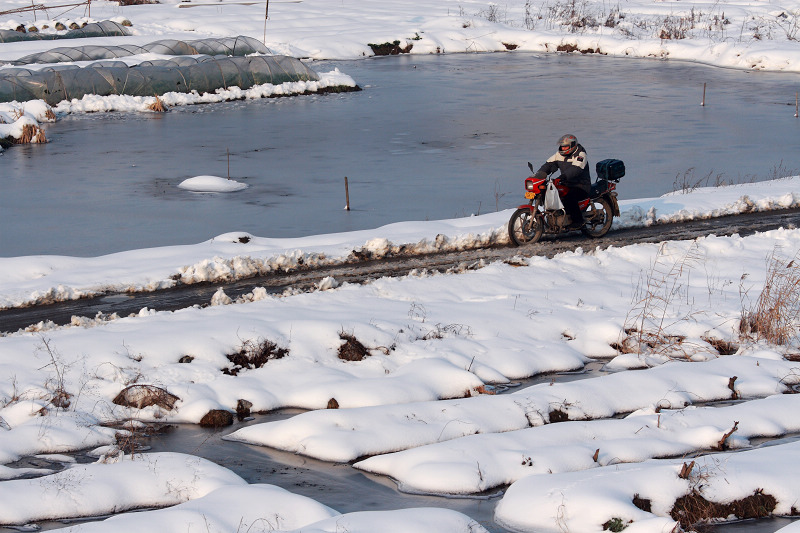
[524,228]
[597,218]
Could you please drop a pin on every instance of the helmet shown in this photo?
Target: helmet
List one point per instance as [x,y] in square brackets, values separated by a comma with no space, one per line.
[567,144]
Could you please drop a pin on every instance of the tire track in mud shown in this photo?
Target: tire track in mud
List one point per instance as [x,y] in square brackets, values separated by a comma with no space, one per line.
[182,296]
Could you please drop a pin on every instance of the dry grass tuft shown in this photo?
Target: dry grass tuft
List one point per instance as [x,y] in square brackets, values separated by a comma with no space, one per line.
[693,508]
[31,134]
[658,305]
[776,314]
[158,106]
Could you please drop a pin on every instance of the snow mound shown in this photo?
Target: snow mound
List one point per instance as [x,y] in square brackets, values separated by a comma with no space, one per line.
[211,184]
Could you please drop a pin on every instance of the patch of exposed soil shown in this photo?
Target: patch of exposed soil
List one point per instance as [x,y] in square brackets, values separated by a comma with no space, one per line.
[390,49]
[351,349]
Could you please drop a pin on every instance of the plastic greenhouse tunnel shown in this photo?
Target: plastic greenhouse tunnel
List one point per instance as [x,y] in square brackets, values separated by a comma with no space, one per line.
[188,72]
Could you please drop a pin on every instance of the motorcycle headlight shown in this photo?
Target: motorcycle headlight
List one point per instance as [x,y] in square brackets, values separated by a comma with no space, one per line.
[528,185]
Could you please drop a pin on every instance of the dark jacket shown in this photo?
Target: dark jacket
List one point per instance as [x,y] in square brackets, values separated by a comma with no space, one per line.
[574,169]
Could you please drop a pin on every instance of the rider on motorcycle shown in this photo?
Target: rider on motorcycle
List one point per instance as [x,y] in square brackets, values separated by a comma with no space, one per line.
[571,160]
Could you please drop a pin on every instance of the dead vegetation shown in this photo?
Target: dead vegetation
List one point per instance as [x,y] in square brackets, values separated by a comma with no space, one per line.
[776,313]
[30,134]
[692,509]
[351,349]
[658,304]
[440,331]
[254,354]
[390,49]
[158,106]
[354,350]
[569,47]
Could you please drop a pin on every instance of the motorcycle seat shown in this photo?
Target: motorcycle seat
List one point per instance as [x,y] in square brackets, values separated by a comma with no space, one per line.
[599,187]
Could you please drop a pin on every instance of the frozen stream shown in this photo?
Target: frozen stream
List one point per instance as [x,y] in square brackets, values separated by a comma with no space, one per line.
[429,137]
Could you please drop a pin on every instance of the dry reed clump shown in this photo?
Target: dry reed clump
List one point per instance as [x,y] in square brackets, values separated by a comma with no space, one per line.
[31,134]
[693,508]
[254,354]
[158,106]
[775,316]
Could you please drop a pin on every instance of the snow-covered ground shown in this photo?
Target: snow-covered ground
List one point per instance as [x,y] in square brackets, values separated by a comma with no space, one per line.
[407,367]
[45,279]
[418,406]
[735,34]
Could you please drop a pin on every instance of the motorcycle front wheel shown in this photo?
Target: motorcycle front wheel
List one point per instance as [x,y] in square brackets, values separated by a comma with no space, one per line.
[523,228]
[597,218]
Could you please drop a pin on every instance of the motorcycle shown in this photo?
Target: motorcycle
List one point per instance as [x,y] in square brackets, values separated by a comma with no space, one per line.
[532,220]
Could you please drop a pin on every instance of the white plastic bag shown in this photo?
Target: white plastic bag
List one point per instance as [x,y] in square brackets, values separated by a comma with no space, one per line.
[552,201]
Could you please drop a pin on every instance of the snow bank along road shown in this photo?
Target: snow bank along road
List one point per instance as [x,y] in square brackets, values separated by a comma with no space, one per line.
[308,278]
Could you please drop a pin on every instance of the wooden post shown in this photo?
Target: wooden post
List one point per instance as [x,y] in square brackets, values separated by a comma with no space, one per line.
[228,150]
[703,103]
[346,194]
[266,16]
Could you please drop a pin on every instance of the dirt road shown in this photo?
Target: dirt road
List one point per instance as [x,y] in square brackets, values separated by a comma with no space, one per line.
[362,272]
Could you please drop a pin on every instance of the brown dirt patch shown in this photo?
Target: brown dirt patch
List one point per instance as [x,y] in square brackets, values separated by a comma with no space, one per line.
[557,415]
[574,48]
[141,396]
[254,354]
[390,49]
[216,418]
[351,349]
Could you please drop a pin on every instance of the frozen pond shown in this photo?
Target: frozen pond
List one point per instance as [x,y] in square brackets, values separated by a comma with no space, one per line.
[429,137]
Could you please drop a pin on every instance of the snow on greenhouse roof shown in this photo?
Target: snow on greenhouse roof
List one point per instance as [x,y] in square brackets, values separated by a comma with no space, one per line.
[105,28]
[229,46]
[203,75]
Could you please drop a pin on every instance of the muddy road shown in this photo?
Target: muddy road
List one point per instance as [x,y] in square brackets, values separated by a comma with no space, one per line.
[362,272]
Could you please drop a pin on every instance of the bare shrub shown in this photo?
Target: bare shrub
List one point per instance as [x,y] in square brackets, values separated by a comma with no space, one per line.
[776,313]
[574,14]
[674,28]
[56,385]
[491,13]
